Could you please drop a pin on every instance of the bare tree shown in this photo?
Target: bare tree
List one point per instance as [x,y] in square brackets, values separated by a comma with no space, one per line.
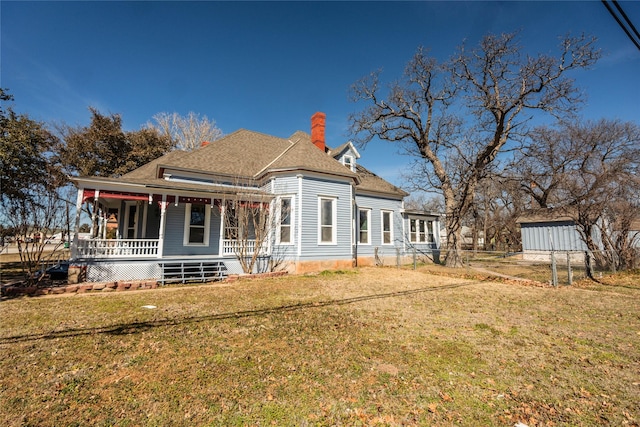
[590,171]
[455,117]
[33,220]
[250,227]
[187,132]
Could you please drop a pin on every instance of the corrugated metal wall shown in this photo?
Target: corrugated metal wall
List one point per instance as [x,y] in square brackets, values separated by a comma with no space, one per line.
[545,236]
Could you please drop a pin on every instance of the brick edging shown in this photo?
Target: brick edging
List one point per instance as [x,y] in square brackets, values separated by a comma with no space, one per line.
[128,285]
[80,288]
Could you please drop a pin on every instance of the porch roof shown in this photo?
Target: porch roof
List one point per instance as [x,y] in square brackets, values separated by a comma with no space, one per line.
[162,186]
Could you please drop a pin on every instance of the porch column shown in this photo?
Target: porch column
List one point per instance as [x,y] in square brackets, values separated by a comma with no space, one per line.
[74,244]
[223,206]
[93,213]
[163,218]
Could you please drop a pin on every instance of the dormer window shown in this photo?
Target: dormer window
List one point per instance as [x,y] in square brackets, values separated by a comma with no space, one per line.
[348,162]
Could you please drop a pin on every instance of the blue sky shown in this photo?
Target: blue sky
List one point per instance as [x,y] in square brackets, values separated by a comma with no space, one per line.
[268,66]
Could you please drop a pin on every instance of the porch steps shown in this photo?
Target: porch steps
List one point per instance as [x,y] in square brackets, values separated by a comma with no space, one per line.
[192,271]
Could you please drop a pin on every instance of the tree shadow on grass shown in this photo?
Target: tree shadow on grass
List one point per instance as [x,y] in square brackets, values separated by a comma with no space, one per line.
[137,327]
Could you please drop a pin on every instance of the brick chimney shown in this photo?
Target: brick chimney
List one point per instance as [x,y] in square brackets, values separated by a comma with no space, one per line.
[317,130]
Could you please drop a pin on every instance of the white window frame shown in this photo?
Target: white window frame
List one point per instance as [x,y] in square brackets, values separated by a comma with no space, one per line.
[187,225]
[291,220]
[413,230]
[431,235]
[350,163]
[334,217]
[422,231]
[382,231]
[368,211]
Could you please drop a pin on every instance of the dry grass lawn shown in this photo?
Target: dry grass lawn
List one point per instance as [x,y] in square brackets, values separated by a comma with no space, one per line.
[364,347]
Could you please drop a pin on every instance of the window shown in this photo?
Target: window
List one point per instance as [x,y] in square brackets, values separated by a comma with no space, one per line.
[422,234]
[412,230]
[387,235]
[327,220]
[196,225]
[421,231]
[285,220]
[432,237]
[364,219]
[348,161]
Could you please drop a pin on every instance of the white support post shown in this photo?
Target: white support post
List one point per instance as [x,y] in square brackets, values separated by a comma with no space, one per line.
[223,204]
[74,244]
[163,222]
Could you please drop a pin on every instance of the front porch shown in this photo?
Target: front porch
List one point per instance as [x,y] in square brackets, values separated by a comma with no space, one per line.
[167,237]
[148,248]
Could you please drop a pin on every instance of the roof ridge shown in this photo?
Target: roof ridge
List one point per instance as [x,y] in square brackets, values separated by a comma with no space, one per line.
[278,157]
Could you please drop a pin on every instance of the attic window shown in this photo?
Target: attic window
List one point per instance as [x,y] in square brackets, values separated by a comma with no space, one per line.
[348,162]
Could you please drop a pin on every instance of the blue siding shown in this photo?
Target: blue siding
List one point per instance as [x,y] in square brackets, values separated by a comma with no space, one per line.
[287,186]
[312,188]
[422,246]
[539,237]
[174,233]
[377,206]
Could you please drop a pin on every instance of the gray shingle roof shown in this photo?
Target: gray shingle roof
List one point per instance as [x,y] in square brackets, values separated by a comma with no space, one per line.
[253,155]
[149,171]
[243,153]
[369,181]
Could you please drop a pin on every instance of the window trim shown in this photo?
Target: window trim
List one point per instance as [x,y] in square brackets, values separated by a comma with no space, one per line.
[424,232]
[291,224]
[351,163]
[382,230]
[187,225]
[334,217]
[413,230]
[368,211]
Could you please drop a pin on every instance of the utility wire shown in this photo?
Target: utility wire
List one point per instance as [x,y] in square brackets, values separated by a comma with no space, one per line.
[635,40]
[626,18]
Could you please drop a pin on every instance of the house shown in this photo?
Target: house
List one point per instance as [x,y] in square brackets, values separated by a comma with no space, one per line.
[179,216]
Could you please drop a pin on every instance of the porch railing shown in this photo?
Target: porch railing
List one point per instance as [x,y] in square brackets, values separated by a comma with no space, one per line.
[117,248]
[232,247]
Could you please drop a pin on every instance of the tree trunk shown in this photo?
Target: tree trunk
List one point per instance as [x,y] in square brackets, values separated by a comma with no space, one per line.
[453,257]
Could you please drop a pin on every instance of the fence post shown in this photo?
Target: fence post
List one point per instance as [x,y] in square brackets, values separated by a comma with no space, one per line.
[569,271]
[554,270]
[614,260]
[415,259]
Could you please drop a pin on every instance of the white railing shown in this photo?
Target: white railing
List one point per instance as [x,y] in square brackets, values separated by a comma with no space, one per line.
[117,248]
[232,247]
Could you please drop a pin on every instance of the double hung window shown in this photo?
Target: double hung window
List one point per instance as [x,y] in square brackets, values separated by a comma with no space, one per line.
[364,221]
[387,227]
[285,213]
[326,220]
[196,224]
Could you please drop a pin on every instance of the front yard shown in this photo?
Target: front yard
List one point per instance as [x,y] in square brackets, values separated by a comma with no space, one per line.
[373,346]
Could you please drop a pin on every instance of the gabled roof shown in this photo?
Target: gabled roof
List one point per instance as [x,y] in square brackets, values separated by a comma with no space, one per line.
[149,171]
[303,155]
[248,155]
[243,153]
[371,182]
[335,152]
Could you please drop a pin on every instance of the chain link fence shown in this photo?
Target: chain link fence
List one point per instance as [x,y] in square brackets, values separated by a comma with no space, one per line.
[557,268]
